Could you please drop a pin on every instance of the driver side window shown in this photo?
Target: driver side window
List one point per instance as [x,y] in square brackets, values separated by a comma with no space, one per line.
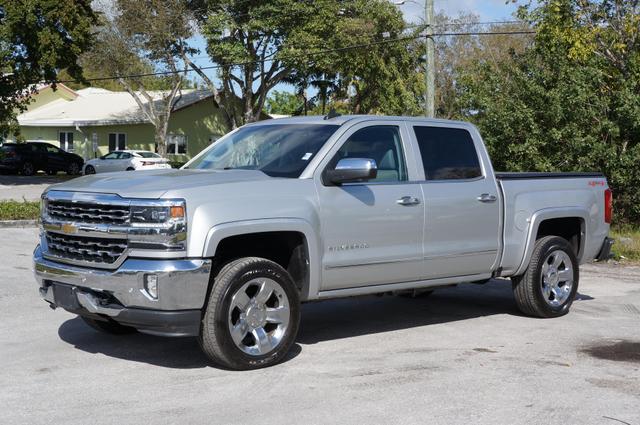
[112,155]
[383,144]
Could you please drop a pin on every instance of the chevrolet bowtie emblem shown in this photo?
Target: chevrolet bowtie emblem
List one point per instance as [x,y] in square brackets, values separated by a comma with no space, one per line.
[69,229]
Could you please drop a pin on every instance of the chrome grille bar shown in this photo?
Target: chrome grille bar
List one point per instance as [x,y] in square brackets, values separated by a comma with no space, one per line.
[83,248]
[88,212]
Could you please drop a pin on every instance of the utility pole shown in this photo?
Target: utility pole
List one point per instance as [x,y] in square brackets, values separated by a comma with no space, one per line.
[430,63]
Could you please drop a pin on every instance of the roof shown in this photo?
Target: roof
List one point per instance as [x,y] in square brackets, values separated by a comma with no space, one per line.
[341,119]
[95,107]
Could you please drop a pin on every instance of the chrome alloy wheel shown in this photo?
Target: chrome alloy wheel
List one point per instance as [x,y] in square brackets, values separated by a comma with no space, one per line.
[557,278]
[259,316]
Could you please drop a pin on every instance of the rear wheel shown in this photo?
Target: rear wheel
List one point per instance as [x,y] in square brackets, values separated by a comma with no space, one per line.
[28,169]
[550,283]
[252,316]
[89,169]
[130,169]
[108,326]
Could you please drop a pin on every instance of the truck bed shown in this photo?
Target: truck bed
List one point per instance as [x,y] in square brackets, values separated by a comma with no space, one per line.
[537,175]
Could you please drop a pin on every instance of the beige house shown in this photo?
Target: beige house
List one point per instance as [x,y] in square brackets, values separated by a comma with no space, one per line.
[92,121]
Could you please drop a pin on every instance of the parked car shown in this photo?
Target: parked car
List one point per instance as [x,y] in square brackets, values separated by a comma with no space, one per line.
[293,210]
[29,158]
[126,160]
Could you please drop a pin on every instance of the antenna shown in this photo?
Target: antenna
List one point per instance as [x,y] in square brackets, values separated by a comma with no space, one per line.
[332,114]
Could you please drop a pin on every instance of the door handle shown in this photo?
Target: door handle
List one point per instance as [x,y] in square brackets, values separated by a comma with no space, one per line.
[408,201]
[485,197]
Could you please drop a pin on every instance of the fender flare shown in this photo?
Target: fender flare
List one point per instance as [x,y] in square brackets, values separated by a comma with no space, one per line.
[546,214]
[222,231]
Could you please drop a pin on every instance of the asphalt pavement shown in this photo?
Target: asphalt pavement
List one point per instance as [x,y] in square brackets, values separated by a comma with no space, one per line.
[462,356]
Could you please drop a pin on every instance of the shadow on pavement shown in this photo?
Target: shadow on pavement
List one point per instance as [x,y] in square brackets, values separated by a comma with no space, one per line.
[321,321]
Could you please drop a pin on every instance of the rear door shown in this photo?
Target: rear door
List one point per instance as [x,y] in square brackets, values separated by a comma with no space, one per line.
[370,235]
[462,209]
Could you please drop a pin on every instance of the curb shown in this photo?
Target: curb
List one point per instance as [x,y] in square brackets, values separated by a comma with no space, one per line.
[6,224]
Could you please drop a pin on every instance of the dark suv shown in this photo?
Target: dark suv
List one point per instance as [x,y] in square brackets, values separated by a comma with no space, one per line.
[29,158]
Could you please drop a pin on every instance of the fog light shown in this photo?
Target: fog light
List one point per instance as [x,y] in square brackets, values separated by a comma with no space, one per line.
[151,285]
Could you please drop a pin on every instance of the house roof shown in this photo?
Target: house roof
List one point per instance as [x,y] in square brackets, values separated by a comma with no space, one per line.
[95,107]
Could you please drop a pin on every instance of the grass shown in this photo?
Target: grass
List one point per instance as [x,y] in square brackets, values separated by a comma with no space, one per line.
[19,210]
[627,246]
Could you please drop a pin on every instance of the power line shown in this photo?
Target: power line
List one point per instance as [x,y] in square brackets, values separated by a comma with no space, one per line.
[303,54]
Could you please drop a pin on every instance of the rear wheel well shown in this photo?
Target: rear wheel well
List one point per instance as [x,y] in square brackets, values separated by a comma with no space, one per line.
[288,249]
[569,228]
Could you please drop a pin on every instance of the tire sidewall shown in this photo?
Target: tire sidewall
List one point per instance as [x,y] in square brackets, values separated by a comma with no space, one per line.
[89,169]
[546,249]
[231,351]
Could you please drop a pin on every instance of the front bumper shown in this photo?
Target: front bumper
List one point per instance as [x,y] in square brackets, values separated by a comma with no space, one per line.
[120,294]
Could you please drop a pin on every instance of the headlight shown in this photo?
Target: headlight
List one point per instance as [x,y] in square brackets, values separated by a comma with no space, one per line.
[147,215]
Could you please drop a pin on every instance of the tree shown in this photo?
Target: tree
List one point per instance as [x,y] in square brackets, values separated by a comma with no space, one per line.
[260,44]
[144,37]
[284,103]
[38,38]
[569,101]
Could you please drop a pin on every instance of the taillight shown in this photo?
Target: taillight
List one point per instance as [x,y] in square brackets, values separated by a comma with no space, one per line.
[10,154]
[148,162]
[608,206]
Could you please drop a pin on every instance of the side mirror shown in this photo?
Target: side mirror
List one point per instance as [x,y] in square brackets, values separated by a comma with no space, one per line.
[352,170]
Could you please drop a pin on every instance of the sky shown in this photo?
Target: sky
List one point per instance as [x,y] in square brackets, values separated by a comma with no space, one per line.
[413,10]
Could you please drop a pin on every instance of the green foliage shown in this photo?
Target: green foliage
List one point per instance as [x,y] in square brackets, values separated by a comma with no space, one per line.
[37,38]
[284,103]
[19,210]
[627,245]
[566,103]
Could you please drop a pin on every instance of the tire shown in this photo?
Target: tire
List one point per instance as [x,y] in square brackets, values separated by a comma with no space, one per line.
[108,326]
[130,169]
[73,169]
[89,169]
[244,292]
[550,283]
[28,169]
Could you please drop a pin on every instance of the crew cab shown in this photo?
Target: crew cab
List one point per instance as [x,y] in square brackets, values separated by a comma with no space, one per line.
[282,212]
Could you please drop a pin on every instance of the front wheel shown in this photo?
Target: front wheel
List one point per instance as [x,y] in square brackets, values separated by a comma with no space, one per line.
[550,283]
[73,169]
[252,316]
[89,169]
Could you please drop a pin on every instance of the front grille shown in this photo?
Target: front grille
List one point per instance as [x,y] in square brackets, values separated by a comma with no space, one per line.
[86,212]
[84,248]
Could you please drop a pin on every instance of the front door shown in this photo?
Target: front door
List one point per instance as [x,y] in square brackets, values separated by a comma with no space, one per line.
[371,231]
[462,208]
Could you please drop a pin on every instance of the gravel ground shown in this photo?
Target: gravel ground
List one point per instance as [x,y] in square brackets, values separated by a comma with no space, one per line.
[463,355]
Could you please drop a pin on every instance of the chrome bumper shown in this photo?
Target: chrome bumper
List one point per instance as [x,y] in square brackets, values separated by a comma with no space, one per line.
[182,284]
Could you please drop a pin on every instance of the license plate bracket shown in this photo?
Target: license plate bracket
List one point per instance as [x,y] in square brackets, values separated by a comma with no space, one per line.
[64,296]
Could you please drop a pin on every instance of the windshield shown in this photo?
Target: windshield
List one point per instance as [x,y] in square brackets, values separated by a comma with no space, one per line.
[278,150]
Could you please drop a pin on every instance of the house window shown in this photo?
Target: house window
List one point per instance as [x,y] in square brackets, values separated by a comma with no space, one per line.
[66,140]
[117,141]
[176,144]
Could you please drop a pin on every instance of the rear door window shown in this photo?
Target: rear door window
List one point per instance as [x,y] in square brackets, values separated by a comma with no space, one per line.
[447,153]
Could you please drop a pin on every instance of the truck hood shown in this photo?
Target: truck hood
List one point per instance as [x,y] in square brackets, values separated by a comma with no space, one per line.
[152,184]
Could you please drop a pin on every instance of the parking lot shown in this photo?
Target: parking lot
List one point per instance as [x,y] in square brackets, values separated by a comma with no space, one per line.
[28,188]
[463,355]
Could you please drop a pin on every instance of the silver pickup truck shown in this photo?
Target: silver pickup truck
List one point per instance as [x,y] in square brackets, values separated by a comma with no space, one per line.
[286,211]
